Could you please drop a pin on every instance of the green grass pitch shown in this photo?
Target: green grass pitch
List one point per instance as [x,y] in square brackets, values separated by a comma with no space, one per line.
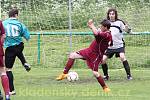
[40,84]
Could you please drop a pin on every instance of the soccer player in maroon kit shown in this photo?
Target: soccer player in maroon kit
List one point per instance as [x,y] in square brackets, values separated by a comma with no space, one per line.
[4,78]
[94,53]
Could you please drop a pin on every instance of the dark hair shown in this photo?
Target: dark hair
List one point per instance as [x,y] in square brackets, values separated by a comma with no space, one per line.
[13,12]
[115,11]
[106,23]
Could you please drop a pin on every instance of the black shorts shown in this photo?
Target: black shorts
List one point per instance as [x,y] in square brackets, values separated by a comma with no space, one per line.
[110,52]
[11,53]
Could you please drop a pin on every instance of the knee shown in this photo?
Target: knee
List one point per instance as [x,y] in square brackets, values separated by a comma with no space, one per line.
[72,55]
[8,69]
[96,74]
[122,58]
[104,59]
[2,71]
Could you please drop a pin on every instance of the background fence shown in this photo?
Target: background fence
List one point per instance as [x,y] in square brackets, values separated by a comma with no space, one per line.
[58,28]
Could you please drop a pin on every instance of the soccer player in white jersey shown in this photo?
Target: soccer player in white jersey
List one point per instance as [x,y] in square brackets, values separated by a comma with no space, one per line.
[117,28]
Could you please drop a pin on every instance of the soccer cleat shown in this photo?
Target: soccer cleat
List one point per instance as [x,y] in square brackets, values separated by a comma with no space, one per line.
[62,76]
[106,89]
[12,93]
[129,77]
[27,67]
[106,78]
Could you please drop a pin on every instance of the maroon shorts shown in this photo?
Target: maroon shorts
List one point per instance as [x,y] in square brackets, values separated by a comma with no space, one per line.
[1,61]
[93,59]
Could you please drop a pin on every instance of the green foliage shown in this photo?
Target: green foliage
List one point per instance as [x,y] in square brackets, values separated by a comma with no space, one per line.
[53,14]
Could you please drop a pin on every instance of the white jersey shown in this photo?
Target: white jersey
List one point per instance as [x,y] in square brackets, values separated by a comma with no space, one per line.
[116,29]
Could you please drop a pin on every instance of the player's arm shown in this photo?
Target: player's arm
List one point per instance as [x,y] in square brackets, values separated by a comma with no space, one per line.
[92,27]
[125,27]
[110,43]
[2,36]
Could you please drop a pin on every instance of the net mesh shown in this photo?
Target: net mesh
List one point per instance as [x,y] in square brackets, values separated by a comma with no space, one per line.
[52,17]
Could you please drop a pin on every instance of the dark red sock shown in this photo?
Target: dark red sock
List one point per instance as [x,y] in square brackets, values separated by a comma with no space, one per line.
[5,84]
[101,81]
[69,64]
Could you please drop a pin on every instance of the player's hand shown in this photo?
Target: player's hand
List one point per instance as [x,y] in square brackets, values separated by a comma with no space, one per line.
[126,26]
[90,23]
[127,29]
[2,38]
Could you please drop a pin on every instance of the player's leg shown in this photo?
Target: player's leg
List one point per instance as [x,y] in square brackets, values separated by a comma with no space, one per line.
[21,56]
[70,61]
[11,81]
[69,64]
[10,56]
[4,79]
[126,65]
[105,67]
[101,81]
[108,54]
[24,62]
[94,66]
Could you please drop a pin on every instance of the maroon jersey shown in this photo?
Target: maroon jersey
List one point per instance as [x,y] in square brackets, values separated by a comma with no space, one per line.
[94,53]
[101,42]
[1,32]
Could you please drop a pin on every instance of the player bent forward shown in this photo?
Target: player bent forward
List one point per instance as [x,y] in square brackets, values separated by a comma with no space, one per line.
[94,53]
